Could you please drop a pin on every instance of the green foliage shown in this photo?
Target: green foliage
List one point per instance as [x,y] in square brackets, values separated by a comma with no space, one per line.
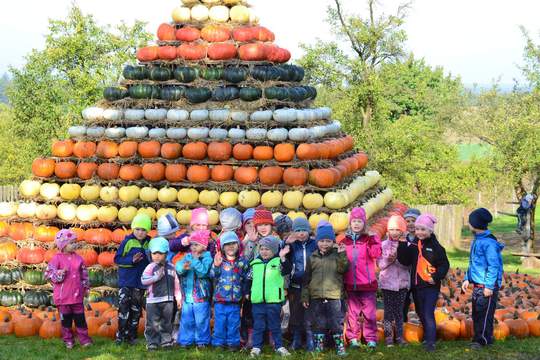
[48,93]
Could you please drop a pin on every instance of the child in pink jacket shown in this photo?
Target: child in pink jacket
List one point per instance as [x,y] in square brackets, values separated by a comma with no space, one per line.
[69,277]
[361,280]
[394,280]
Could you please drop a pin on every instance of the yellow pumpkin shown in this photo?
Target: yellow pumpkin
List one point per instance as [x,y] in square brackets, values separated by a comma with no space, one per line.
[272,199]
[126,214]
[296,214]
[26,210]
[67,211]
[209,197]
[293,199]
[8,208]
[164,211]
[312,201]
[148,194]
[228,198]
[334,200]
[129,193]
[249,198]
[90,192]
[188,196]
[219,13]
[314,219]
[46,211]
[181,14]
[167,195]
[87,212]
[183,217]
[239,14]
[70,191]
[213,217]
[49,191]
[148,211]
[107,214]
[339,220]
[108,193]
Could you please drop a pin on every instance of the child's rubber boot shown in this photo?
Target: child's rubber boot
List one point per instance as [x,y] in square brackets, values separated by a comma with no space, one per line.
[340,345]
[318,342]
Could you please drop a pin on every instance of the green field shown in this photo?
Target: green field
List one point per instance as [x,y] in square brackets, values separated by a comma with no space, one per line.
[468,152]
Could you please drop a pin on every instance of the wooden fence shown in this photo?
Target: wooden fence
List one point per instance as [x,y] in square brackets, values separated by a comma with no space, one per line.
[9,193]
[449,223]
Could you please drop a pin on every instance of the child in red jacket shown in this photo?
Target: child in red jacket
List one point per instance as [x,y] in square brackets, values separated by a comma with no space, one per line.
[360,279]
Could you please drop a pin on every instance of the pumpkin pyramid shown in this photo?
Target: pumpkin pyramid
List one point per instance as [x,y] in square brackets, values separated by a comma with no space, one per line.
[210,116]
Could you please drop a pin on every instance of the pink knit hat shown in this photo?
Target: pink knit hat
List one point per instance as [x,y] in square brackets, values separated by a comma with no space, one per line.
[64,237]
[200,237]
[427,221]
[357,213]
[397,222]
[199,216]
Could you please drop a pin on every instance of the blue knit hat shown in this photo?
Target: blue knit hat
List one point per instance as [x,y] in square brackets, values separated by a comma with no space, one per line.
[301,224]
[228,237]
[283,224]
[413,213]
[248,215]
[325,231]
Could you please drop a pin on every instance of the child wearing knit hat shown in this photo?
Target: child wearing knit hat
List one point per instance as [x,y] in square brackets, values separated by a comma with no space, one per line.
[394,280]
[429,265]
[363,249]
[485,273]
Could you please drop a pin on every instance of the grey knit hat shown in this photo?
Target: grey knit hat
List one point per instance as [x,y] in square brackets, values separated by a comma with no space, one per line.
[414,213]
[271,242]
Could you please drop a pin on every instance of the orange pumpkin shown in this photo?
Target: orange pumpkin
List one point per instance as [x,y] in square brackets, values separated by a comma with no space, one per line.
[108,329]
[119,235]
[449,329]
[323,178]
[284,152]
[219,151]
[534,326]
[50,328]
[79,233]
[148,53]
[21,231]
[500,330]
[242,151]
[127,149]
[31,255]
[324,151]
[215,33]
[84,149]
[171,151]
[6,325]
[8,250]
[65,169]
[188,51]
[86,170]
[166,32]
[221,51]
[99,236]
[4,228]
[195,151]
[246,175]
[106,258]
[252,52]
[307,152]
[89,256]
[45,233]
[93,323]
[271,175]
[175,172]
[62,148]
[108,171]
[222,173]
[167,52]
[413,333]
[188,34]
[25,327]
[518,327]
[43,167]
[198,173]
[153,172]
[362,160]
[130,172]
[263,153]
[149,149]
[107,149]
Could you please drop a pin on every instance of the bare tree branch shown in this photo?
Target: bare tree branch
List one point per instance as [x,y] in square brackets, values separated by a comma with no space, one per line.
[354,43]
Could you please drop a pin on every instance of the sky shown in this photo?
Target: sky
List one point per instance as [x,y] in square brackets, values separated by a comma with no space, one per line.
[479,40]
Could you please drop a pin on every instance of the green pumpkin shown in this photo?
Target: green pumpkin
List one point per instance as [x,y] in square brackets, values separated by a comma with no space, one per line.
[312,92]
[94,296]
[296,73]
[16,275]
[235,74]
[211,73]
[36,299]
[110,279]
[95,277]
[5,276]
[10,298]
[160,74]
[225,93]
[156,92]
[140,91]
[250,93]
[172,93]
[136,72]
[114,93]
[34,277]
[276,93]
[185,74]
[198,95]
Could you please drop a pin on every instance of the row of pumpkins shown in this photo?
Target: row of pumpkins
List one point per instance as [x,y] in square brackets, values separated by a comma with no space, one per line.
[198,13]
[214,33]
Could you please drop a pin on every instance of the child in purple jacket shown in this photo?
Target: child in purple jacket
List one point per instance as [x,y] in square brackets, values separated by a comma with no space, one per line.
[69,277]
[394,280]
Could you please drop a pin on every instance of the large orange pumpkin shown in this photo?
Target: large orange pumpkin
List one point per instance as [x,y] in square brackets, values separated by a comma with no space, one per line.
[362,160]
[262,34]
[118,235]
[79,233]
[99,236]
[500,330]
[307,152]
[167,52]
[21,231]
[149,149]
[171,151]
[284,152]
[130,172]
[45,233]
[25,327]
[8,250]
[195,151]
[198,173]
[191,51]
[31,255]
[62,148]
[222,173]
[244,34]
[219,151]
[86,170]
[127,149]
[65,169]
[323,178]
[263,152]
[271,175]
[324,150]
[84,149]
[295,176]
[246,175]
[166,32]
[252,52]
[89,256]
[107,149]
[175,172]
[518,327]
[149,53]
[153,172]
[188,34]
[242,151]
[106,258]
[43,167]
[215,33]
[221,51]
[108,171]
[51,328]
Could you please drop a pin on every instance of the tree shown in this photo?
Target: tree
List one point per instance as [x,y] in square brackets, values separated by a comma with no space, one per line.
[48,93]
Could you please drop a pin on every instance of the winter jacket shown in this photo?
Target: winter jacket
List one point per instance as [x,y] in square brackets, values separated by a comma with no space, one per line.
[300,253]
[129,273]
[392,275]
[176,247]
[195,282]
[362,251]
[68,288]
[323,278]
[162,287]
[229,280]
[433,252]
[485,261]
[265,280]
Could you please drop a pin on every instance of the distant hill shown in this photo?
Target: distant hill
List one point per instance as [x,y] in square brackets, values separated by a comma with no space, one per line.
[4,81]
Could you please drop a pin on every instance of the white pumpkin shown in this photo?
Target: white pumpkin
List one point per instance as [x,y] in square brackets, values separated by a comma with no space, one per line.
[271,199]
[221,115]
[95,131]
[199,115]
[148,211]
[219,13]
[237,134]
[67,211]
[107,214]
[77,131]
[148,194]
[293,199]
[184,217]
[334,200]
[8,208]
[93,113]
[126,214]
[157,133]
[228,198]
[249,198]
[176,133]
[299,134]
[113,114]
[239,116]
[29,188]
[326,112]
[49,191]
[90,192]
[218,134]
[317,132]
[134,114]
[279,134]
[305,115]
[129,194]
[155,114]
[167,195]
[199,13]
[213,217]
[70,191]
[285,116]
[313,201]
[108,193]
[188,196]
[137,132]
[198,133]
[177,115]
[261,115]
[115,132]
[239,14]
[209,197]
[46,211]
[87,212]
[26,210]
[256,134]
[181,14]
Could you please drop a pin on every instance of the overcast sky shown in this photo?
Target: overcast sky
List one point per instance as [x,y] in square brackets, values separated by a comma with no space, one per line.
[479,40]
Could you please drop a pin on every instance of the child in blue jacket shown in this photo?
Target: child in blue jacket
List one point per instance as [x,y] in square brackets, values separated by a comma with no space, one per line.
[132,259]
[229,272]
[485,274]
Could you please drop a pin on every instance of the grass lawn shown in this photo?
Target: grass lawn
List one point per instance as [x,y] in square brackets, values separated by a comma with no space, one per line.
[460,259]
[104,349]
[468,152]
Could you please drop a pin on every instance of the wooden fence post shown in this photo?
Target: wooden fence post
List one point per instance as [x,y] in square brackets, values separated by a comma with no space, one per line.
[449,223]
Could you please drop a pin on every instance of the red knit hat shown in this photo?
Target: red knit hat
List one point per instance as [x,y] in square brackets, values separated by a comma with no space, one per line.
[262,216]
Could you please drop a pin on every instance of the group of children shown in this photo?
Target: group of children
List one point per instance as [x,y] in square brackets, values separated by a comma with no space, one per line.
[248,271]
